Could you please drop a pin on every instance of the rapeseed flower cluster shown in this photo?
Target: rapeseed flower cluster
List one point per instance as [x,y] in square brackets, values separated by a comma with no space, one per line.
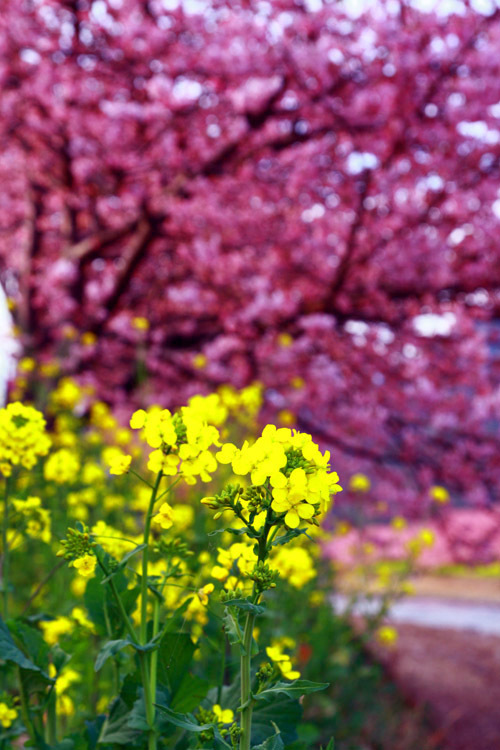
[181,442]
[8,715]
[35,519]
[281,659]
[293,469]
[23,438]
[62,466]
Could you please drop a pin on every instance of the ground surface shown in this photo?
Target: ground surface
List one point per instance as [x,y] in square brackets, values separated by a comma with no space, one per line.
[455,669]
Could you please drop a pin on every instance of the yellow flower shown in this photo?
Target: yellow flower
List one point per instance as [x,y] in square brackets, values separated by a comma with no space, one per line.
[138,419]
[204,592]
[427,537]
[294,565]
[439,494]
[224,715]
[67,394]
[286,417]
[398,523]
[183,516]
[62,466]
[88,338]
[85,565]
[22,437]
[199,361]
[54,629]
[359,483]
[283,662]
[289,495]
[140,323]
[119,463]
[386,635]
[27,364]
[7,715]
[285,340]
[165,516]
[79,615]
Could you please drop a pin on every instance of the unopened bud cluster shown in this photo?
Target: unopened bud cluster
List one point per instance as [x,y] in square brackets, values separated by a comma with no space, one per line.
[228,498]
[264,577]
[265,672]
[173,548]
[77,544]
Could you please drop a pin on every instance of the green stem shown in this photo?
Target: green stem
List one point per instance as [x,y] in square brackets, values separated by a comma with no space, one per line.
[5,551]
[126,620]
[25,709]
[145,559]
[246,683]
[246,653]
[52,719]
[148,699]
[154,656]
[143,662]
[147,668]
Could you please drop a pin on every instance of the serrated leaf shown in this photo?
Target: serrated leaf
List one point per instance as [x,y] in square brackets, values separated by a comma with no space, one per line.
[232,628]
[235,532]
[190,693]
[109,649]
[113,647]
[175,655]
[115,728]
[276,707]
[291,534]
[274,742]
[184,721]
[293,689]
[10,652]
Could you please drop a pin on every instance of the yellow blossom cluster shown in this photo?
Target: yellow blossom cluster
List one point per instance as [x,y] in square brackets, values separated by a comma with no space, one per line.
[239,557]
[294,565]
[23,438]
[281,659]
[181,442]
[64,680]
[36,520]
[298,473]
[7,715]
[62,466]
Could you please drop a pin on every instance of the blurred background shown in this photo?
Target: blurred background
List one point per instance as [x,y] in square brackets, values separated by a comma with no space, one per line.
[302,194]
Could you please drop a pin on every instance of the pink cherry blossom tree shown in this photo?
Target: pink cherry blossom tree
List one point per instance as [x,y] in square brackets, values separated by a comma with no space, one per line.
[300,196]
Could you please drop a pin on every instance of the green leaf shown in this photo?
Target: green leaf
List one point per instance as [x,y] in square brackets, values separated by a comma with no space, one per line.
[113,647]
[235,532]
[10,652]
[246,606]
[59,657]
[291,534]
[331,745]
[184,721]
[109,649]
[175,655]
[32,643]
[232,627]
[96,598]
[272,743]
[190,693]
[115,728]
[293,689]
[279,708]
[123,563]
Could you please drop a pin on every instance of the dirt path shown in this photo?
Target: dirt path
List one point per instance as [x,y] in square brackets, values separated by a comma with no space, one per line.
[457,674]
